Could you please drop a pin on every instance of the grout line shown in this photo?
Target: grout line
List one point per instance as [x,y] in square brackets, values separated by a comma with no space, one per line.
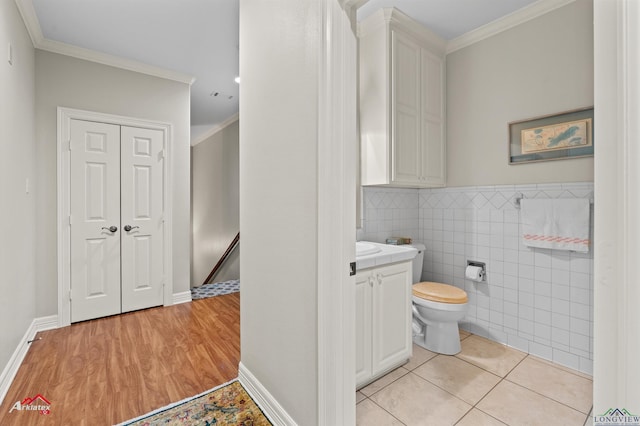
[547,397]
[561,367]
[490,390]
[589,416]
[383,409]
[534,391]
[380,378]
[487,393]
[483,412]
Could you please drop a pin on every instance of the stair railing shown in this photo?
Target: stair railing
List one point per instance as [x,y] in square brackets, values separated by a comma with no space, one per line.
[224,257]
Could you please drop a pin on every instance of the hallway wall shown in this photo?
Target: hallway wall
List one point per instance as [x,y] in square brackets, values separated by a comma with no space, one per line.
[76,83]
[18,164]
[215,204]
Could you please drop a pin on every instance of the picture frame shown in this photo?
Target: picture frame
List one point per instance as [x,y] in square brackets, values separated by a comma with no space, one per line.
[559,136]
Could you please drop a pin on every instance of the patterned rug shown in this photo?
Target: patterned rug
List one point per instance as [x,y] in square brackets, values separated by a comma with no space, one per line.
[215,289]
[226,405]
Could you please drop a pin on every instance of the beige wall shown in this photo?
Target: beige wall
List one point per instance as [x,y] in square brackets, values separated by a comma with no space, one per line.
[18,152]
[541,67]
[74,83]
[215,204]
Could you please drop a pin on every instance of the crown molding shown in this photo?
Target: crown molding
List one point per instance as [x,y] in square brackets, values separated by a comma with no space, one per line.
[396,17]
[351,5]
[114,61]
[215,129]
[30,18]
[518,17]
[392,17]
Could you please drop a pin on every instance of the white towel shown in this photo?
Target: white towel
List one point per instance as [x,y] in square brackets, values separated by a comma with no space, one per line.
[561,223]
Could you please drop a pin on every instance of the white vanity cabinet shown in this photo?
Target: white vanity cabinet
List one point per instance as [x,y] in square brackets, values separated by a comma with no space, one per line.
[402,111]
[383,320]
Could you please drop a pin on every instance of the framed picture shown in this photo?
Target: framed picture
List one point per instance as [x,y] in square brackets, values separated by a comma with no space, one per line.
[552,137]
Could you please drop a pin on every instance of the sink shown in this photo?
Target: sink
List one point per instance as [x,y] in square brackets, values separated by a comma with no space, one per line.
[365,249]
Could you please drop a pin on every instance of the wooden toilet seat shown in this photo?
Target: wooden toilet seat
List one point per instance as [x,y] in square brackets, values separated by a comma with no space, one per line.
[438,292]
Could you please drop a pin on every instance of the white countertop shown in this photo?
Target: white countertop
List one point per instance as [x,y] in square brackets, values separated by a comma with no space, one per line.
[377,254]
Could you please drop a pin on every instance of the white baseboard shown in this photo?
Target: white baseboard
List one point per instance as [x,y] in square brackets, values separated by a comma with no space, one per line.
[182,297]
[272,409]
[11,369]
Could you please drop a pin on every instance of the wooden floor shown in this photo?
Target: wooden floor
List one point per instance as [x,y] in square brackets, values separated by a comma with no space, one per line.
[109,370]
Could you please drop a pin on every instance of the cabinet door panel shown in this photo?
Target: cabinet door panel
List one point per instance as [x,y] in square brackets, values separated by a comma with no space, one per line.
[406,99]
[406,158]
[391,316]
[433,157]
[433,144]
[363,328]
[432,79]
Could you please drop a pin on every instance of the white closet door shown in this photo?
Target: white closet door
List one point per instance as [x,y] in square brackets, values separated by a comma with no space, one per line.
[95,207]
[142,210]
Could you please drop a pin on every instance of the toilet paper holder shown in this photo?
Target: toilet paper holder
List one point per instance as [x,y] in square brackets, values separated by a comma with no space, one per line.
[482,265]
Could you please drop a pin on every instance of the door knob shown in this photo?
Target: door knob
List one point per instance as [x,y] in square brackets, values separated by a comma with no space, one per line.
[129,227]
[112,228]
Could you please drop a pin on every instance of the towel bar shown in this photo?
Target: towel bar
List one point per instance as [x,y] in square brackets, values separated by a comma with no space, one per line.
[519,197]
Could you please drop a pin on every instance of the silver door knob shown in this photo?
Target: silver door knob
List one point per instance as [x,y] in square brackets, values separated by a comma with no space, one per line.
[129,227]
[112,228]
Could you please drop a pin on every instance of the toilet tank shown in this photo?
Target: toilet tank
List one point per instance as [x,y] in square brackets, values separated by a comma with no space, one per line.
[417,262]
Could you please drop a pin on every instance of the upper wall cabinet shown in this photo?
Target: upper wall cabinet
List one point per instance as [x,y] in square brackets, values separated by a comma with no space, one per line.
[402,120]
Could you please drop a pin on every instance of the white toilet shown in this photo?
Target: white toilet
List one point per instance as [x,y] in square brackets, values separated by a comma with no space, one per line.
[437,308]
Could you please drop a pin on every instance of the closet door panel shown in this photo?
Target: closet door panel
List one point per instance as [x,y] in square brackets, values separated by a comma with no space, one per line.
[95,219]
[142,192]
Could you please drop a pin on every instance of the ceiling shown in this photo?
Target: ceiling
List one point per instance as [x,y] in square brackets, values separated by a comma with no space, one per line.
[200,37]
[449,18]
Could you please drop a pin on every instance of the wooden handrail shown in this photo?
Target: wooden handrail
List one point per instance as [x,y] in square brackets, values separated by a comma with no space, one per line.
[226,254]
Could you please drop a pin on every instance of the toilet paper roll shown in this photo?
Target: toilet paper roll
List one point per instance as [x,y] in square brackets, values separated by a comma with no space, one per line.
[473,273]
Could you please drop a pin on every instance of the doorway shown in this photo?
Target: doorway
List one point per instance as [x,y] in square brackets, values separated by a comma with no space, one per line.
[114,215]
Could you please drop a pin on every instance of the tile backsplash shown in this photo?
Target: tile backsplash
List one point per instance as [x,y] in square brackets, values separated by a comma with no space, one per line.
[536,300]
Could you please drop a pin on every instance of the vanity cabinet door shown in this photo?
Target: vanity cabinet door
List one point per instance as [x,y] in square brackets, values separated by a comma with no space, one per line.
[383,320]
[391,318]
[363,326]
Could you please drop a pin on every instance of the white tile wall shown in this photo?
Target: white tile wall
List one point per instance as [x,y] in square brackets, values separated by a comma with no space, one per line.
[389,212]
[537,300]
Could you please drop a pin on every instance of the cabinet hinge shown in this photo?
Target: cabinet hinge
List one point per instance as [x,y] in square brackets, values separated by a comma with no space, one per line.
[70,220]
[69,295]
[162,154]
[69,145]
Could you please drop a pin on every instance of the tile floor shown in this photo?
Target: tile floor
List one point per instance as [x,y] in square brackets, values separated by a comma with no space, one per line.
[485,384]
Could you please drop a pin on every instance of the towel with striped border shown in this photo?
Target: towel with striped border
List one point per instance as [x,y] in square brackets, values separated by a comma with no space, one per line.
[556,223]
